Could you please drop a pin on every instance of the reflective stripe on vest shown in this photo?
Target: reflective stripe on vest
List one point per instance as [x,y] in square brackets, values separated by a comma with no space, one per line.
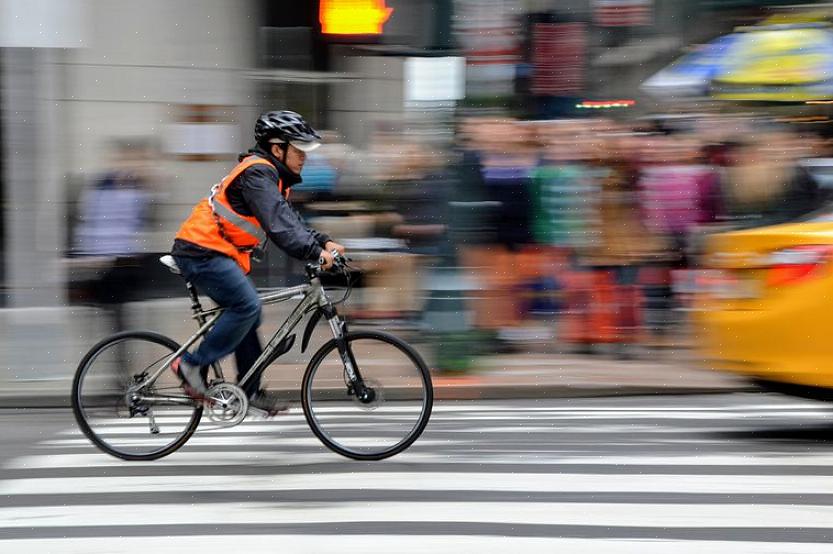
[234,218]
[220,210]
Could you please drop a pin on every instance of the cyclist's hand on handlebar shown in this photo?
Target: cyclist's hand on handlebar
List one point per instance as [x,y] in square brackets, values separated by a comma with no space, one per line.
[326,260]
[332,245]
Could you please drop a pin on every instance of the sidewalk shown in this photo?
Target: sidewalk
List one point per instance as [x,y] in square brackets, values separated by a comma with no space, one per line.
[499,377]
[547,376]
[40,349]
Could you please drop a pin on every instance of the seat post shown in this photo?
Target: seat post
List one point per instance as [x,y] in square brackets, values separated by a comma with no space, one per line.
[196,307]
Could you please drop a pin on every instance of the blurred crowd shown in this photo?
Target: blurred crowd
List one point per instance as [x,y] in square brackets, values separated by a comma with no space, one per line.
[567,234]
[577,234]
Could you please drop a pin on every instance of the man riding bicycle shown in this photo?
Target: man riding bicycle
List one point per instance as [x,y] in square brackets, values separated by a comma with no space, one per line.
[214,246]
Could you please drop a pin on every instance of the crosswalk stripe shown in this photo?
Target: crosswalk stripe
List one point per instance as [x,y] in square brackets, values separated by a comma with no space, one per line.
[541,513]
[180,458]
[563,482]
[493,407]
[401,544]
[565,439]
[270,457]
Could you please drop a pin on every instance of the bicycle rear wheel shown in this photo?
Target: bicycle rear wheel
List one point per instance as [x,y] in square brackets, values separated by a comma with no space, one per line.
[383,423]
[150,427]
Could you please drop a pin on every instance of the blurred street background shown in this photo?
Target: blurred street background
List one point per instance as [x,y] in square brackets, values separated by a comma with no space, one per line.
[512,177]
[528,189]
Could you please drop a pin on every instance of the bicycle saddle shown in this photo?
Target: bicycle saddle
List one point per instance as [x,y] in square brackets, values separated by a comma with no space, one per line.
[168,261]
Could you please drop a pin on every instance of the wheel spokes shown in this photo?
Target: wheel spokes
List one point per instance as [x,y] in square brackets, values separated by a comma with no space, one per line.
[141,423]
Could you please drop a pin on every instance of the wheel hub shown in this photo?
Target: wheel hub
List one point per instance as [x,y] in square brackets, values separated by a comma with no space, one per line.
[371,397]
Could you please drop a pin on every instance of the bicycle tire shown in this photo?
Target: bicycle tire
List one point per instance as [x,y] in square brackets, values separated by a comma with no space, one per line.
[318,428]
[79,411]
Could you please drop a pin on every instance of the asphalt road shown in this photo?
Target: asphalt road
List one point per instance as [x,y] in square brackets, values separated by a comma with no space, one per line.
[717,473]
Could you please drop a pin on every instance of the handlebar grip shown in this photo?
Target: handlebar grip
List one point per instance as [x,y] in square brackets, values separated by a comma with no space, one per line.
[338,260]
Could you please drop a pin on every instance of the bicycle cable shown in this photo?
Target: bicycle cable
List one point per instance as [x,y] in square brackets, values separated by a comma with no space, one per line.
[345,270]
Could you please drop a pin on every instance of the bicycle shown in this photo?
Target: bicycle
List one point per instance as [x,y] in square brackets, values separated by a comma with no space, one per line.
[129,404]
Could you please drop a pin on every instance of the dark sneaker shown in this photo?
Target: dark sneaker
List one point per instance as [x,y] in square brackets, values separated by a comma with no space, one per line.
[191,377]
[269,402]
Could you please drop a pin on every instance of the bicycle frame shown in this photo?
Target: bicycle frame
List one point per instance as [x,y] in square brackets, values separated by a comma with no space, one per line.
[314,298]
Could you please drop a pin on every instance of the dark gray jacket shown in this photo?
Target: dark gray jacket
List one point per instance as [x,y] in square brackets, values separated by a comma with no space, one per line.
[255,193]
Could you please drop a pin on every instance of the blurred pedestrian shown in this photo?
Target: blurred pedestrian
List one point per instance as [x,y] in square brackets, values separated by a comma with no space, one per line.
[562,189]
[764,184]
[679,194]
[114,213]
[621,245]
[509,153]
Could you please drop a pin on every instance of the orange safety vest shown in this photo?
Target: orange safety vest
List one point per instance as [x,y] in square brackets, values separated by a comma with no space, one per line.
[213,224]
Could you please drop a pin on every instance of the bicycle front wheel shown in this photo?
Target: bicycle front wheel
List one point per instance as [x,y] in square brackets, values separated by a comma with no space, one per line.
[144,425]
[389,417]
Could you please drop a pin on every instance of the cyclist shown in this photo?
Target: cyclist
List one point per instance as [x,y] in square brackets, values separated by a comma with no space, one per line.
[214,246]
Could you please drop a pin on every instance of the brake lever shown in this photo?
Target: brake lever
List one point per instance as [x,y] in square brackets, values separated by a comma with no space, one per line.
[338,260]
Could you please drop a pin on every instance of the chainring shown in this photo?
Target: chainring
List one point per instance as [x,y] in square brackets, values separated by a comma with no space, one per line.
[227,404]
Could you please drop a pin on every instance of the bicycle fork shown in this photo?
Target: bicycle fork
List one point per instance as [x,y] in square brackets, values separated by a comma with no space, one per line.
[355,383]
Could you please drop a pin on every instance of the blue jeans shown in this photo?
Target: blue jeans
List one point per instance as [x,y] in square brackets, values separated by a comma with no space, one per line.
[222,280]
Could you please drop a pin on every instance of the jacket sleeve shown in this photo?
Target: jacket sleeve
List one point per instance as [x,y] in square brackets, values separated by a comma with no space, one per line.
[322,238]
[278,218]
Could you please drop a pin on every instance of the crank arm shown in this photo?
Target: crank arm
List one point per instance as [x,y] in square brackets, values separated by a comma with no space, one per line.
[154,428]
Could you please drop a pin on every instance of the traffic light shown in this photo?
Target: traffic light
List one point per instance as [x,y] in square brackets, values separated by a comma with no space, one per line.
[353,17]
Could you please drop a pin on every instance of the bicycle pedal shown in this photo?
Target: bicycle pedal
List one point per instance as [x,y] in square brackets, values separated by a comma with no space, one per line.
[258,413]
[263,414]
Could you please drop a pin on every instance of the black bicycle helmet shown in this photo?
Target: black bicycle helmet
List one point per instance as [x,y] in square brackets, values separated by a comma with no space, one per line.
[282,127]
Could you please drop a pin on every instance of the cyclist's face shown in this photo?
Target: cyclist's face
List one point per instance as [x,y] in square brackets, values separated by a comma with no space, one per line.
[293,160]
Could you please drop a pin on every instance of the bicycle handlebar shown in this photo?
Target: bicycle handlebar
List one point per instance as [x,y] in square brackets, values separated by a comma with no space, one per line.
[339,262]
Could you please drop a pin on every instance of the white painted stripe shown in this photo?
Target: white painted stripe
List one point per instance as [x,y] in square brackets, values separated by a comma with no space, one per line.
[641,431]
[654,436]
[207,428]
[457,406]
[822,461]
[443,406]
[400,544]
[205,439]
[700,416]
[532,482]
[290,457]
[257,457]
[358,416]
[181,458]
[520,454]
[485,406]
[474,425]
[143,429]
[274,433]
[533,513]
[220,437]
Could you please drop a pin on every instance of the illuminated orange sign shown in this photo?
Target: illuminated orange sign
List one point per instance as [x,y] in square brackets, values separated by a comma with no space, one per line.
[353,17]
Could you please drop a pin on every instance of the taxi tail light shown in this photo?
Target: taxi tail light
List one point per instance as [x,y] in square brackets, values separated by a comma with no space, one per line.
[794,265]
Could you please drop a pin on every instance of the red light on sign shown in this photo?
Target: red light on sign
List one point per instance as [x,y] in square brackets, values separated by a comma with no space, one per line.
[353,17]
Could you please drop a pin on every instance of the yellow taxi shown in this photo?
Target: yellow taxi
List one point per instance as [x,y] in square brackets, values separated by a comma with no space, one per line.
[766,306]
